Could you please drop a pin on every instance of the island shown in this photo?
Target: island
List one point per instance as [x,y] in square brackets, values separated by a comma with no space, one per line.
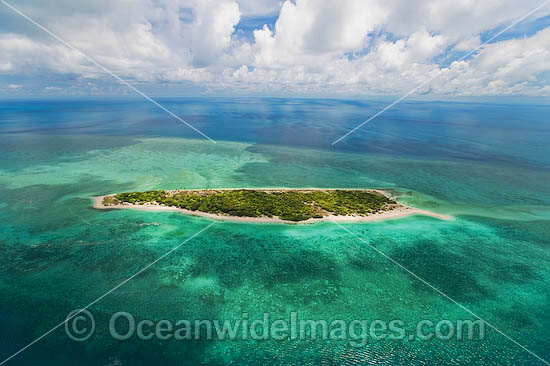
[286,205]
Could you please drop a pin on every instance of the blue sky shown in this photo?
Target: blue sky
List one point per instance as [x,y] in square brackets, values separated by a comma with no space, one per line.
[295,48]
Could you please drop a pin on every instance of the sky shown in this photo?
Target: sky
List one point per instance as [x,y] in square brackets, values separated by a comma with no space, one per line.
[327,48]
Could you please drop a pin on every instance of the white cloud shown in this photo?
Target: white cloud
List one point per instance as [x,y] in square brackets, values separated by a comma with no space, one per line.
[189,74]
[6,66]
[305,31]
[14,86]
[509,67]
[212,29]
[469,44]
[332,46]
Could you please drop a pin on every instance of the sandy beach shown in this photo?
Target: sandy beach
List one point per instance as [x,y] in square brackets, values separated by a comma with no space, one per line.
[400,211]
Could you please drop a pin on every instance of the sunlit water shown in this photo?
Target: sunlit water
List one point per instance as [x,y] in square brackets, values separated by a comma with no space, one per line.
[487,165]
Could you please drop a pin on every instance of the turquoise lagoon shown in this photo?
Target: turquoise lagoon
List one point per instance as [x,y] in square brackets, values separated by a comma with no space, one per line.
[487,165]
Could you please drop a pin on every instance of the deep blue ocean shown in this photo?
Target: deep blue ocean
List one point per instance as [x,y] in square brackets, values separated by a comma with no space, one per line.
[488,165]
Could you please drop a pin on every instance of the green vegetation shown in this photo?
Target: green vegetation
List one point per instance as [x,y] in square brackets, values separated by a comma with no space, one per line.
[291,205]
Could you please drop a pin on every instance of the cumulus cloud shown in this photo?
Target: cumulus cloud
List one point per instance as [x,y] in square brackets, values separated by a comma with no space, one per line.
[332,46]
[507,67]
[215,21]
[469,44]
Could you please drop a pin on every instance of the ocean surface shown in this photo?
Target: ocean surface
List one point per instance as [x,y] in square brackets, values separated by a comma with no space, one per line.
[486,164]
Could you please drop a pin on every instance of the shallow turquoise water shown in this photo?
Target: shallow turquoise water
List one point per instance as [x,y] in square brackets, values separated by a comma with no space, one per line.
[58,254]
